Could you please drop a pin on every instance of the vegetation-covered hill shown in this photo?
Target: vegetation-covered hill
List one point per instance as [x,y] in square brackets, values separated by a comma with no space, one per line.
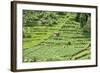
[55,36]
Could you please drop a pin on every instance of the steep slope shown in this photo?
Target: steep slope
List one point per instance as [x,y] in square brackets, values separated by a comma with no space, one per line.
[65,42]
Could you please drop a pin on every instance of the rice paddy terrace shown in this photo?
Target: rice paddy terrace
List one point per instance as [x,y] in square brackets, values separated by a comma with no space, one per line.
[64,41]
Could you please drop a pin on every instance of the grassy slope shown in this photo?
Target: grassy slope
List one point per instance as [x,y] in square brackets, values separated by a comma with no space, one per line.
[36,39]
[51,48]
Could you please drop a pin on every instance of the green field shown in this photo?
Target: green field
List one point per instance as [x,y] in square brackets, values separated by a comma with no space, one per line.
[64,39]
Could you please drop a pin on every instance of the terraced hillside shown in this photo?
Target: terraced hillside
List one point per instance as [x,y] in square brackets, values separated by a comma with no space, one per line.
[63,41]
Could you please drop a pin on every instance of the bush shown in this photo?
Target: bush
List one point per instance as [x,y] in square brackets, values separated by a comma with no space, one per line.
[27,36]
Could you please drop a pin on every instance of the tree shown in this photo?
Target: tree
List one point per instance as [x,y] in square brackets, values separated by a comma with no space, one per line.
[85,21]
[33,18]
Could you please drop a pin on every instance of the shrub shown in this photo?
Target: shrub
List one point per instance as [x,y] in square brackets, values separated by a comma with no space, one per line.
[27,36]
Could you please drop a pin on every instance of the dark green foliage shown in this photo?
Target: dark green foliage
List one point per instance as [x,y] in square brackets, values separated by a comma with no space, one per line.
[69,43]
[26,35]
[61,13]
[82,18]
[33,18]
[85,22]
